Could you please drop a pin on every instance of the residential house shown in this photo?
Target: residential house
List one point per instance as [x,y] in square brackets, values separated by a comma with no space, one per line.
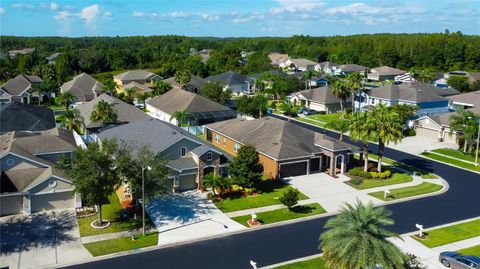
[237,83]
[84,87]
[277,58]
[465,100]
[346,69]
[195,84]
[318,99]
[441,83]
[317,81]
[263,80]
[30,179]
[24,117]
[202,109]
[135,79]
[21,89]
[204,54]
[126,113]
[426,97]
[52,58]
[329,68]
[383,73]
[299,65]
[24,51]
[189,157]
[285,149]
[407,77]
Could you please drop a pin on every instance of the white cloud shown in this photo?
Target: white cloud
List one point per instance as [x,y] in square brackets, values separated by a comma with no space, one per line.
[138,14]
[23,6]
[207,17]
[296,6]
[178,14]
[62,15]
[89,14]
[107,14]
[54,6]
[2,10]
[68,7]
[144,14]
[266,29]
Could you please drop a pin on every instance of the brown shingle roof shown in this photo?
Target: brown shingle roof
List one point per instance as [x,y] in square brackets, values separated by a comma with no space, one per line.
[387,71]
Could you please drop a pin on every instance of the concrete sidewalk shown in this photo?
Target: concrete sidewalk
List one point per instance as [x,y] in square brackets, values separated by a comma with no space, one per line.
[264,209]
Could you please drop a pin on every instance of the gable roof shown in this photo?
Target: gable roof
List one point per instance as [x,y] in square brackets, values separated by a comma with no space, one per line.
[352,68]
[136,75]
[277,58]
[387,71]
[195,81]
[470,98]
[136,85]
[16,86]
[83,86]
[416,92]
[322,95]
[125,112]
[444,118]
[229,78]
[24,117]
[305,63]
[277,138]
[179,100]
[327,65]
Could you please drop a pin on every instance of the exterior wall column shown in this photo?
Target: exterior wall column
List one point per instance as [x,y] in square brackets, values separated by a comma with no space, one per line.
[342,169]
[333,164]
[200,175]
[27,204]
[308,167]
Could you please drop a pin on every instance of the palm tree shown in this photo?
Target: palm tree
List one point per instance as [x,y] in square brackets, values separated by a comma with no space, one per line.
[66,99]
[288,109]
[72,120]
[182,77]
[356,238]
[354,82]
[129,92]
[340,125]
[104,113]
[143,97]
[464,123]
[387,128]
[362,130]
[110,87]
[214,181]
[341,91]
[183,117]
[161,87]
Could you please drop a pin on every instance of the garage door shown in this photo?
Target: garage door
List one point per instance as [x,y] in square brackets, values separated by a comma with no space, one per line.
[187,183]
[427,133]
[51,201]
[10,205]
[293,169]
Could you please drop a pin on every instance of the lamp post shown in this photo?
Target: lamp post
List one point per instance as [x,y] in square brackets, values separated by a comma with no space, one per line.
[143,196]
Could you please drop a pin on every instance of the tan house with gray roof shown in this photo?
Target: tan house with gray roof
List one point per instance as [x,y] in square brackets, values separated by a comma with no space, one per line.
[30,179]
[384,73]
[134,78]
[84,87]
[318,99]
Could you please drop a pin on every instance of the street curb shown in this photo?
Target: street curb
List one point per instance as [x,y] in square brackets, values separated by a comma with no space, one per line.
[306,258]
[443,225]
[449,164]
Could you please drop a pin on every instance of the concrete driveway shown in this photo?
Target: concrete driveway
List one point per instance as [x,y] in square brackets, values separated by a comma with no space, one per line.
[417,144]
[188,216]
[42,239]
[331,193]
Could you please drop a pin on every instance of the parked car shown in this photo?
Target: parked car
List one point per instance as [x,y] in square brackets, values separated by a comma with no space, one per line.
[456,260]
[291,114]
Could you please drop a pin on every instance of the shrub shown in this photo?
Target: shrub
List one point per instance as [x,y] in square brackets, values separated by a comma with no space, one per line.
[358,172]
[248,191]
[290,198]
[381,175]
[409,132]
[357,181]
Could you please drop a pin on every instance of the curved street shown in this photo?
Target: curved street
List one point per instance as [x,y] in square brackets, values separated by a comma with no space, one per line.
[290,241]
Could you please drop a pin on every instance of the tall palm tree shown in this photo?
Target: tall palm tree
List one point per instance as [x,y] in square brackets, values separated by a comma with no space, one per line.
[288,109]
[362,130]
[110,87]
[464,123]
[213,181]
[183,117]
[66,99]
[354,82]
[356,238]
[104,113]
[340,125]
[129,95]
[72,120]
[143,97]
[161,87]
[341,91]
[387,127]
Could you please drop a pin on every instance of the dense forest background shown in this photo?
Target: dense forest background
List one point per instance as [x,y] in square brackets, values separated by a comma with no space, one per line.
[170,54]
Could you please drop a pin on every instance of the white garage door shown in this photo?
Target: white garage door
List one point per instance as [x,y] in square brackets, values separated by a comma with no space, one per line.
[10,205]
[52,201]
[427,133]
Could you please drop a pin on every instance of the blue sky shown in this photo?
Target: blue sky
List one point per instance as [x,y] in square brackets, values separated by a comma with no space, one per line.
[235,17]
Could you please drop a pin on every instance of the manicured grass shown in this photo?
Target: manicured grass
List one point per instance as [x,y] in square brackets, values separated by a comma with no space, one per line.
[456,154]
[471,251]
[451,161]
[422,173]
[450,234]
[283,214]
[270,190]
[122,244]
[202,136]
[399,193]
[316,263]
[111,212]
[397,178]
[326,118]
[310,121]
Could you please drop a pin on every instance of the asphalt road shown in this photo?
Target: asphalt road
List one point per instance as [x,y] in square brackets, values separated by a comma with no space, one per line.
[286,242]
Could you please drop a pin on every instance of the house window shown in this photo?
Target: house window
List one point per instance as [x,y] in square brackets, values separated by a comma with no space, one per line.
[217,138]
[176,182]
[10,162]
[224,141]
[236,147]
[184,152]
[52,183]
[209,156]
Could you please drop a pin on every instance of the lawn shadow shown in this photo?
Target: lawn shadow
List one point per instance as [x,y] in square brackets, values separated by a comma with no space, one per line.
[45,229]
[302,209]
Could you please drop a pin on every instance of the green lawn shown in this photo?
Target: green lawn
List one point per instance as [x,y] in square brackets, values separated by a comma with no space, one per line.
[316,263]
[283,214]
[202,136]
[451,161]
[326,118]
[456,154]
[270,190]
[471,251]
[310,121]
[397,178]
[424,174]
[122,244]
[111,212]
[399,193]
[450,234]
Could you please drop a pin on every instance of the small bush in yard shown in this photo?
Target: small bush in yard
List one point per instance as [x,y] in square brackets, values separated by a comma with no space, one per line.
[290,198]
[381,175]
[357,181]
[358,172]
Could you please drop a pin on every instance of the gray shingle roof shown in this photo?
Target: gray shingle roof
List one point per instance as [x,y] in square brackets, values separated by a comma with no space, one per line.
[387,71]
[19,84]
[135,85]
[322,95]
[472,98]
[83,87]
[195,81]
[179,100]
[24,117]
[126,113]
[277,138]
[417,92]
[182,163]
[352,68]
[136,75]
[327,64]
[229,78]
[304,63]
